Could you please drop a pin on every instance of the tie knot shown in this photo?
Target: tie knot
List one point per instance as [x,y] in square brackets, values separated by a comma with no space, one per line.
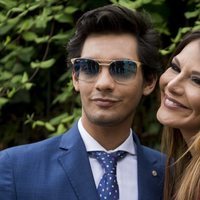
[108,160]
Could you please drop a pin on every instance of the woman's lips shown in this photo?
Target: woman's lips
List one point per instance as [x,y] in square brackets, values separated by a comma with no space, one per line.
[172,103]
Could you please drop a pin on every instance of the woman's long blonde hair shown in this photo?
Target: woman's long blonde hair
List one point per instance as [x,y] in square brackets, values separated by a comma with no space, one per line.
[182,174]
[189,186]
[182,180]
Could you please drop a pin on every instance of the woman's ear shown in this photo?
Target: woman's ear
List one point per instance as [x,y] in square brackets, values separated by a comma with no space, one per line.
[149,85]
[75,81]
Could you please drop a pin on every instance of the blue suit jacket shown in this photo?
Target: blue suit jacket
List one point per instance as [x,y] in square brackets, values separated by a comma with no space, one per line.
[58,169]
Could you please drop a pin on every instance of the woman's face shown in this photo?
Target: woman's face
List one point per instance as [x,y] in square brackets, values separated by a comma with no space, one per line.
[180,91]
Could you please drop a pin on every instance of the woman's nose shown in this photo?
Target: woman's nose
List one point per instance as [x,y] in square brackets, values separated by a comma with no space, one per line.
[175,85]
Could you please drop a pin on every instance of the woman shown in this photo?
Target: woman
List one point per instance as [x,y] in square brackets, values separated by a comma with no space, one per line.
[179,112]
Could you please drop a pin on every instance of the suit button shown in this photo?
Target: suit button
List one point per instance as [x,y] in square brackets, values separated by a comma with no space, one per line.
[154,173]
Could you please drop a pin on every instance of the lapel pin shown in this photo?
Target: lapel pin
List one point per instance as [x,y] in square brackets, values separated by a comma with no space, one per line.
[154,173]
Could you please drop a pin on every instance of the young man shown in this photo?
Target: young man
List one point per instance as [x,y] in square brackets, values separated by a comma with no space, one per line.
[114,55]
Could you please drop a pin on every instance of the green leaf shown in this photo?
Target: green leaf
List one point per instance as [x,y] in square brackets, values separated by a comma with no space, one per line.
[44,64]
[11,93]
[38,123]
[2,18]
[29,36]
[16,10]
[41,39]
[33,7]
[49,126]
[3,101]
[41,20]
[8,57]
[28,86]
[7,4]
[16,79]
[57,8]
[47,63]
[56,120]
[67,119]
[61,129]
[5,29]
[67,92]
[25,53]
[196,28]
[24,77]
[70,10]
[8,39]
[184,30]
[63,18]
[193,14]
[29,118]
[63,37]
[170,49]
[5,75]
[25,25]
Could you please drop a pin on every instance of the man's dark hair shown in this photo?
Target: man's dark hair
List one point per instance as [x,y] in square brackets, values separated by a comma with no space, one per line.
[118,20]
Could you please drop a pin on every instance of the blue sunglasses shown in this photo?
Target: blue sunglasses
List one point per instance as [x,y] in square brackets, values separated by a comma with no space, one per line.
[122,71]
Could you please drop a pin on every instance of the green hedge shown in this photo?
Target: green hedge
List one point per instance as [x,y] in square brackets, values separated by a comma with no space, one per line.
[37,99]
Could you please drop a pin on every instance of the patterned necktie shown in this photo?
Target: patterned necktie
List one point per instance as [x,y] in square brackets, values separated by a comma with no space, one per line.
[108,187]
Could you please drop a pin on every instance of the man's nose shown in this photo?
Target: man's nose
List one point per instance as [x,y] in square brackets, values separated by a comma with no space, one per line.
[104,80]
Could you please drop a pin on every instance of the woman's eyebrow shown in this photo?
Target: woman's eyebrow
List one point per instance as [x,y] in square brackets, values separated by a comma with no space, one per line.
[175,59]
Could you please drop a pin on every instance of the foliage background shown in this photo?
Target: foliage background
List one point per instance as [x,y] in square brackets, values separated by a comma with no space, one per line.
[37,99]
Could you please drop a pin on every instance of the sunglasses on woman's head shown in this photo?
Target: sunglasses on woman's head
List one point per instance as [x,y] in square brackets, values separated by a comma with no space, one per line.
[122,71]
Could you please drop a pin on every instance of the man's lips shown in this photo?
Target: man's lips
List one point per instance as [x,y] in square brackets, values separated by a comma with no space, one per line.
[172,103]
[105,102]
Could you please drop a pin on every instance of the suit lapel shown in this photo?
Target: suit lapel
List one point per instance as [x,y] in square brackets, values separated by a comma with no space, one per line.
[76,165]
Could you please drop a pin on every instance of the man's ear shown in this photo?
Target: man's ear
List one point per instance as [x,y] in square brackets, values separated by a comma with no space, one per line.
[75,81]
[149,85]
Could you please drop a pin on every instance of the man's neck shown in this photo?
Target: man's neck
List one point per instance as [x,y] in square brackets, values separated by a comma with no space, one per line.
[110,137]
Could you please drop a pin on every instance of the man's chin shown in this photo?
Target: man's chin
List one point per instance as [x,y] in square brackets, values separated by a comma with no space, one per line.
[106,122]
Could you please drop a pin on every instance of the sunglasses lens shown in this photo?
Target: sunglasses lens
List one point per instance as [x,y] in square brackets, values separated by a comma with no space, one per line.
[86,69]
[122,70]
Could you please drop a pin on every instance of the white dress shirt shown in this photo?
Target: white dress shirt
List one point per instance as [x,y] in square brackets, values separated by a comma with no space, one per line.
[126,168]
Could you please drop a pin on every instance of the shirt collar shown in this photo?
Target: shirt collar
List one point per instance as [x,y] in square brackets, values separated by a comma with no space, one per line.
[92,145]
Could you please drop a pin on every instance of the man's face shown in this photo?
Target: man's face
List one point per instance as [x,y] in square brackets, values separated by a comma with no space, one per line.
[105,102]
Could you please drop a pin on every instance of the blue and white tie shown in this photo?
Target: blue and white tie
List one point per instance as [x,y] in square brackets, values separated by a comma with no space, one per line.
[108,187]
